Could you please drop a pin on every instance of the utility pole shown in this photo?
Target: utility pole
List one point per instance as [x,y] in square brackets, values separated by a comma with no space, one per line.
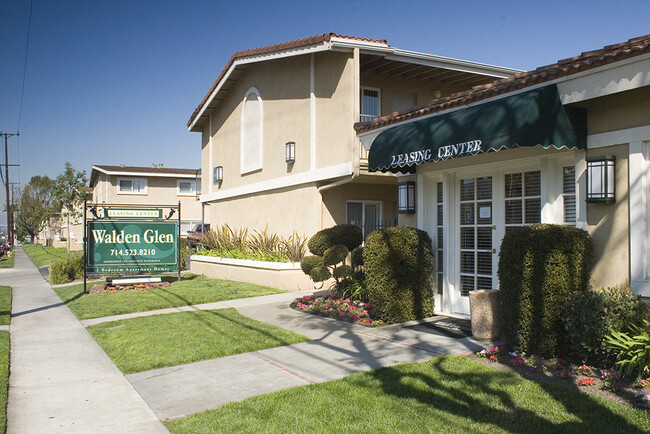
[9,213]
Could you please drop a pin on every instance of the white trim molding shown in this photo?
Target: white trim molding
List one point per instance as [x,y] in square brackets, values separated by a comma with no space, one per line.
[639,224]
[251,163]
[323,174]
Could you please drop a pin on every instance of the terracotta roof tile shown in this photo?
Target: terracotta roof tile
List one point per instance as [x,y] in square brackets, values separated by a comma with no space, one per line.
[565,67]
[304,42]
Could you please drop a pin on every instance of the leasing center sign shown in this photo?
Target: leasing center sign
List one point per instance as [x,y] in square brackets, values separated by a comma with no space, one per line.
[132,246]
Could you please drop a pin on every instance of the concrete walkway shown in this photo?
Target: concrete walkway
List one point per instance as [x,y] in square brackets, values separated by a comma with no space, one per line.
[60,380]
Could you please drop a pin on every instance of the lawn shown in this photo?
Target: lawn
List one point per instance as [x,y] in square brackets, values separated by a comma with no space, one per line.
[5,305]
[144,343]
[4,378]
[445,394]
[192,289]
[41,256]
[7,261]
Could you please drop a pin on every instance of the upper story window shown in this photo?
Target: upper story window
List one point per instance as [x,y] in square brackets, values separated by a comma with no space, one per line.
[186,188]
[251,132]
[370,103]
[132,186]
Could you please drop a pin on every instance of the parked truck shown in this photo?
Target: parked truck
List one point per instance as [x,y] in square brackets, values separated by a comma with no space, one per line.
[195,236]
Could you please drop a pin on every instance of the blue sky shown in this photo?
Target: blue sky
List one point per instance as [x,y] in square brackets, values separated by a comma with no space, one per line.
[115,81]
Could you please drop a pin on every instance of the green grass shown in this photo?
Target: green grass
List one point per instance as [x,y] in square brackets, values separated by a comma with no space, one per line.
[41,256]
[144,343]
[7,261]
[445,394]
[5,305]
[193,289]
[4,378]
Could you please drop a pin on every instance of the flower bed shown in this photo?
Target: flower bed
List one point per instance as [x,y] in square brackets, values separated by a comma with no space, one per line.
[104,288]
[354,311]
[603,382]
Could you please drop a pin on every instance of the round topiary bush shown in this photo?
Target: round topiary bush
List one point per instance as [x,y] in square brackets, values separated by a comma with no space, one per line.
[540,266]
[589,316]
[398,264]
[348,235]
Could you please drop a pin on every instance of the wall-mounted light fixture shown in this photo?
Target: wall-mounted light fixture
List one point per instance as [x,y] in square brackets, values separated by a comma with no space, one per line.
[601,179]
[406,197]
[290,152]
[217,175]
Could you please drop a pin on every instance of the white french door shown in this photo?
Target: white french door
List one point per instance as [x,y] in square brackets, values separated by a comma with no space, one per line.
[475,238]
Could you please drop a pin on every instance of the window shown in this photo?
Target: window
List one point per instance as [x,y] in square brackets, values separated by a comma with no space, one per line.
[523,199]
[186,188]
[569,194]
[365,214]
[370,104]
[132,186]
[251,132]
[188,225]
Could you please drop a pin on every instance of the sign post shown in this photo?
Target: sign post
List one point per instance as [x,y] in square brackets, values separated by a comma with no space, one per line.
[131,240]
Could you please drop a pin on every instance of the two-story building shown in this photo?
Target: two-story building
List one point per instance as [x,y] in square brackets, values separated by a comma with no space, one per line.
[278,146]
[155,185]
[567,143]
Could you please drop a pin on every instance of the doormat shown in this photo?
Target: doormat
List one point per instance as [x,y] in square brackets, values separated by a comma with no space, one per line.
[445,326]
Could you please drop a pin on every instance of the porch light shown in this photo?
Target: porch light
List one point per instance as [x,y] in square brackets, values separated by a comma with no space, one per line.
[406,197]
[601,179]
[290,152]
[217,175]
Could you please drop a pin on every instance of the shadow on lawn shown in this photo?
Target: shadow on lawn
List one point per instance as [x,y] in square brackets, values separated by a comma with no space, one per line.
[454,392]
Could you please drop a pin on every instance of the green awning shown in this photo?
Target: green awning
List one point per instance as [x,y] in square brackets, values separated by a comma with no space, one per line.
[533,118]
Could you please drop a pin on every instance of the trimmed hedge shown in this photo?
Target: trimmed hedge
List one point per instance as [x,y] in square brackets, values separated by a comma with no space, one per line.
[67,269]
[330,248]
[399,264]
[540,266]
[589,316]
[348,235]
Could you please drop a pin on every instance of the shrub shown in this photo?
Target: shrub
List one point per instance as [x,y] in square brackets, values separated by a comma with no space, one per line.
[348,235]
[539,267]
[294,247]
[589,316]
[67,269]
[398,264]
[634,349]
[331,246]
[262,241]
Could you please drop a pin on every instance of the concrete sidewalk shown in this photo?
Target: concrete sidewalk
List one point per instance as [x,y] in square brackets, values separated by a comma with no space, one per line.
[337,350]
[60,380]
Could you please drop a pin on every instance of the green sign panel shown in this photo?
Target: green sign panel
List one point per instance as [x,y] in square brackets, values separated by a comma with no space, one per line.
[132,246]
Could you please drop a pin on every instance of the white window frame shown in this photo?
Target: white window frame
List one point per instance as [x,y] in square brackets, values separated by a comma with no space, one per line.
[139,193]
[253,163]
[193,189]
[362,114]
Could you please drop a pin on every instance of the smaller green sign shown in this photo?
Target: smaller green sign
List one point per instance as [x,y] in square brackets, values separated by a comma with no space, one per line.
[132,213]
[132,246]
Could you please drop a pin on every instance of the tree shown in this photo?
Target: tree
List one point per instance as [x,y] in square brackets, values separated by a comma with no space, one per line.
[69,191]
[36,206]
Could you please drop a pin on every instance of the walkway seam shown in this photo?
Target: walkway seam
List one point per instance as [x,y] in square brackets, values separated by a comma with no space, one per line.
[284,368]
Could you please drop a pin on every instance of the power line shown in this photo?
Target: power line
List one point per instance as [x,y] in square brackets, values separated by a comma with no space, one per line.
[22,92]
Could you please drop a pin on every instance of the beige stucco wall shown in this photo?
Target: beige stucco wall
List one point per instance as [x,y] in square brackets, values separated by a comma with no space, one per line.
[608,225]
[283,211]
[619,111]
[284,87]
